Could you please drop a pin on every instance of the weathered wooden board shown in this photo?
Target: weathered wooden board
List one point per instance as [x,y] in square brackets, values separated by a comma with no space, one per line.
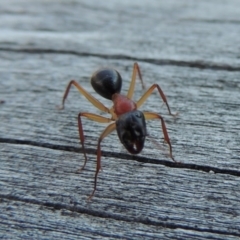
[153,196]
[190,49]
[186,32]
[208,107]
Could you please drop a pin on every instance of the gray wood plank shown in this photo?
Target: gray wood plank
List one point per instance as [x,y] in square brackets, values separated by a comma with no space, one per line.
[202,35]
[190,49]
[147,194]
[66,224]
[205,133]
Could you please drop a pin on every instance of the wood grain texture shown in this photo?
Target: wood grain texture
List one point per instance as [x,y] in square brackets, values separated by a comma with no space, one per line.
[190,49]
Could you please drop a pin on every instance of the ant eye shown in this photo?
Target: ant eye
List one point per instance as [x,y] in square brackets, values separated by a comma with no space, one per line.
[136,131]
[138,114]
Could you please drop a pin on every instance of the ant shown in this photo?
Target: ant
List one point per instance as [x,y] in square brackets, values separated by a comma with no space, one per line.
[125,117]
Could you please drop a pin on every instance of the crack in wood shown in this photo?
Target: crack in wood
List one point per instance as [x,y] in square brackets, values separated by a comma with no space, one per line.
[124,156]
[180,63]
[118,217]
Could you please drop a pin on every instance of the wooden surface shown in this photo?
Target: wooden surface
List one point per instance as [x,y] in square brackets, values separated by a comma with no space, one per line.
[191,49]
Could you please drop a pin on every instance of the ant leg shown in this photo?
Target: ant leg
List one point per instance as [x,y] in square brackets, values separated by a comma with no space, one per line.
[105,133]
[149,116]
[89,97]
[95,118]
[136,70]
[149,92]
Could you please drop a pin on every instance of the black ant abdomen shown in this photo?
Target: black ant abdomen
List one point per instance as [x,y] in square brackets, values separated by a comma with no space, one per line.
[106,82]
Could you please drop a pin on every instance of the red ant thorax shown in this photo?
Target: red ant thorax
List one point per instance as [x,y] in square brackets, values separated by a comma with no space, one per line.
[122,104]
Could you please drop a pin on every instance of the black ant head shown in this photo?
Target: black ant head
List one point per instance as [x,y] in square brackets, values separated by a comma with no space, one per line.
[131,129]
[106,82]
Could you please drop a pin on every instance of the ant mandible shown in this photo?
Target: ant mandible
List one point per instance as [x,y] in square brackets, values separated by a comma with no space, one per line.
[125,118]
